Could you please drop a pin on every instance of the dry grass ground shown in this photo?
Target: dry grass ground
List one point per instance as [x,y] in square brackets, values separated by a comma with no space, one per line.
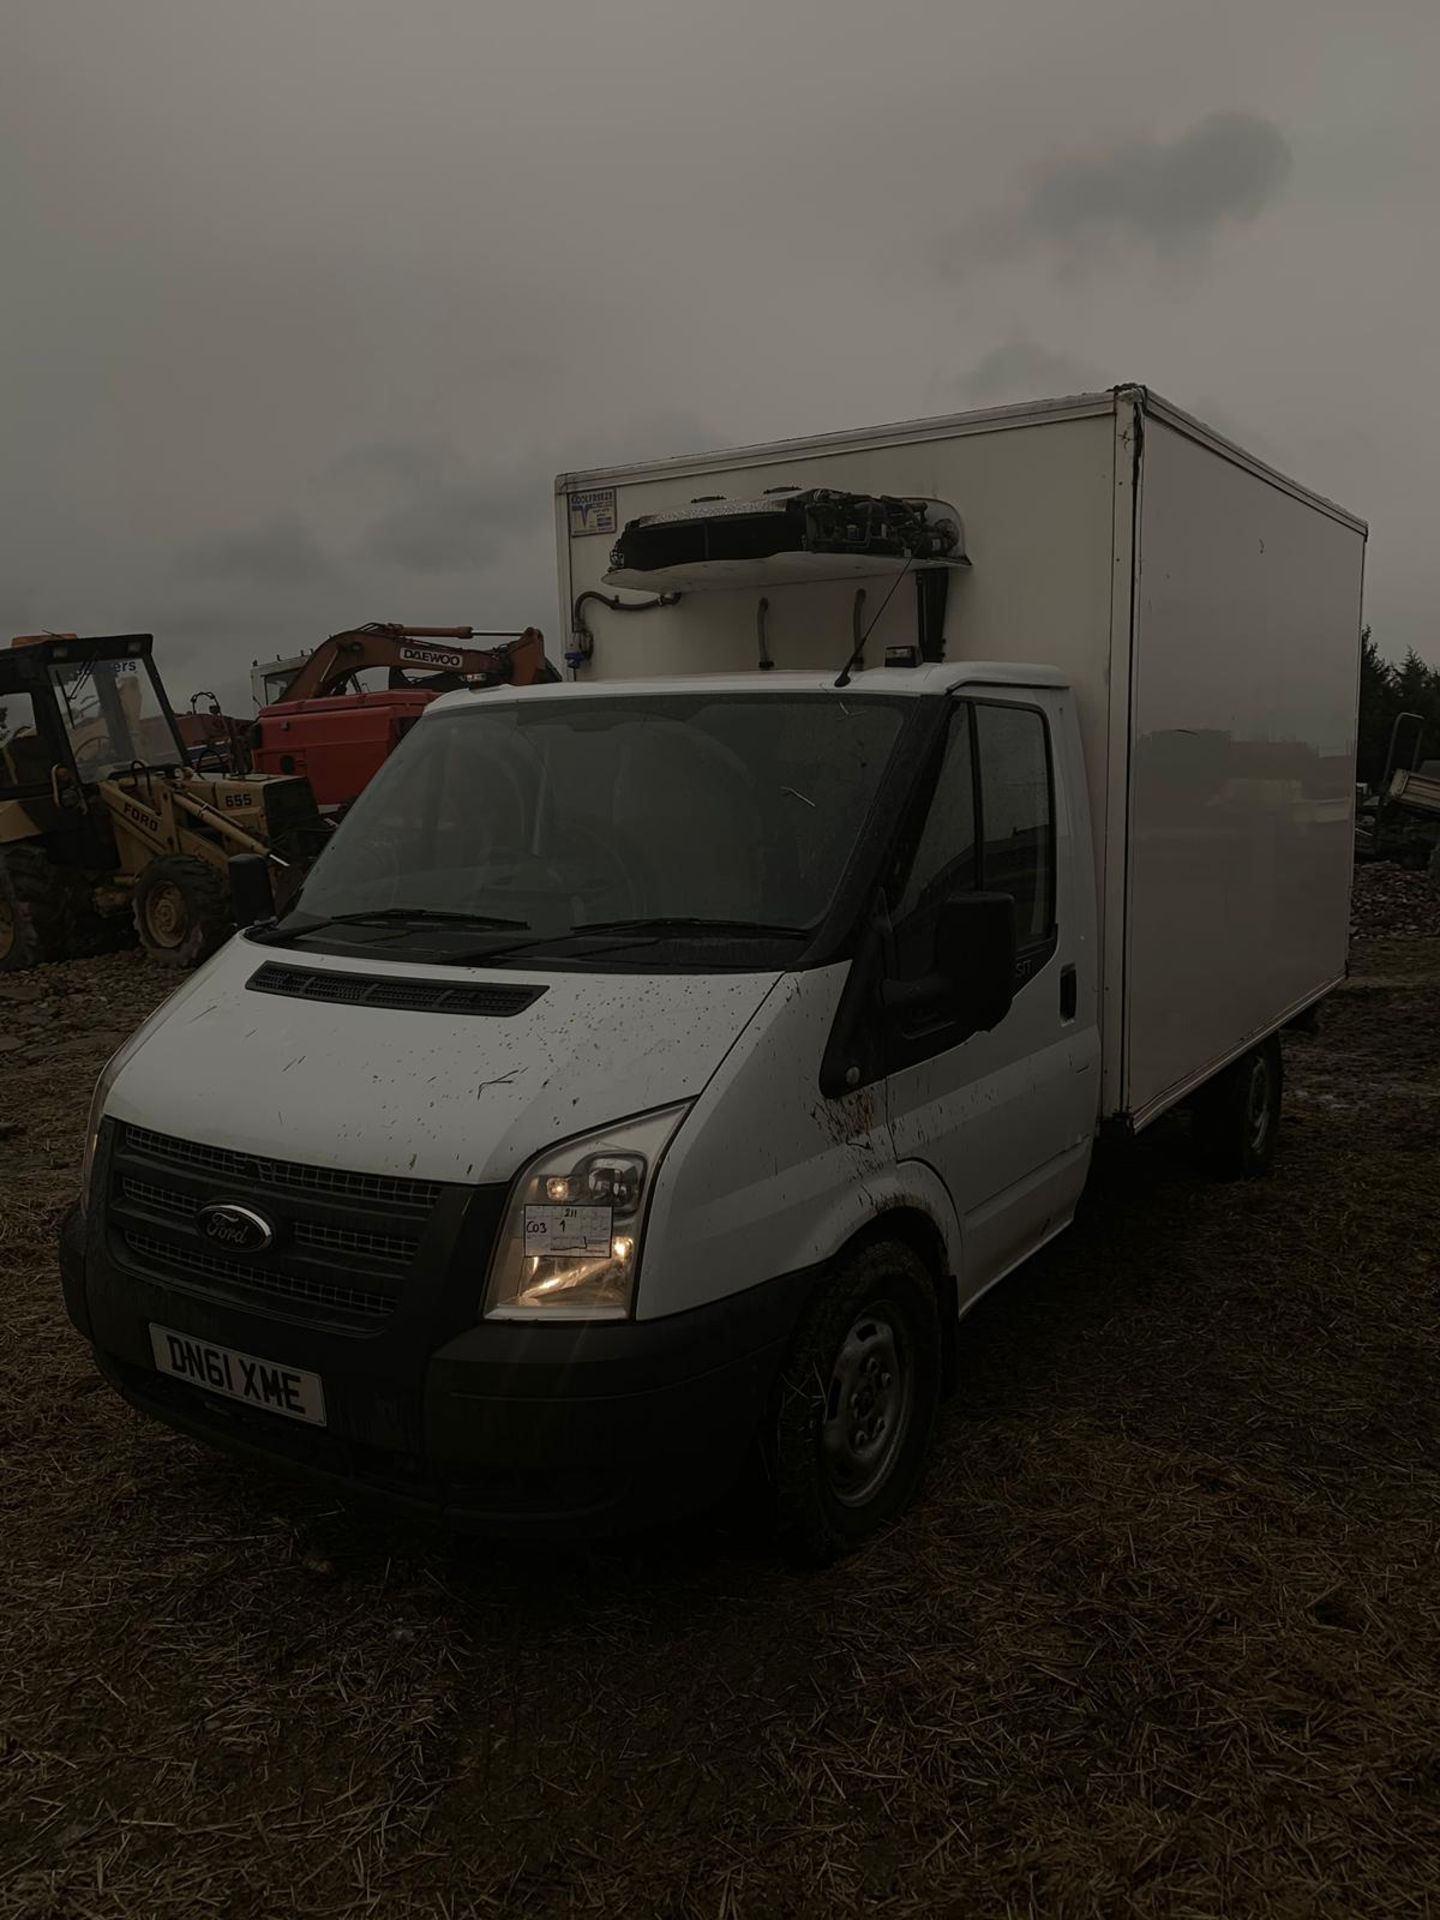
[1163,1638]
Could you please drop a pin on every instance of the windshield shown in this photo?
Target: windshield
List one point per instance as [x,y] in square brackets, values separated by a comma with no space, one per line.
[549,818]
[113,716]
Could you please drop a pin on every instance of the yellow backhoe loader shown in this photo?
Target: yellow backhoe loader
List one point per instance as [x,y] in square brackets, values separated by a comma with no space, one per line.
[105,824]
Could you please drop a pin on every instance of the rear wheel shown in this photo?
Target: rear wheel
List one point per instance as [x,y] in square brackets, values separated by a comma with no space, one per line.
[182,910]
[857,1402]
[43,910]
[1237,1117]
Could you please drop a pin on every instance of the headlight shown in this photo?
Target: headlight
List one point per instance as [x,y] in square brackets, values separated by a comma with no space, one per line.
[570,1245]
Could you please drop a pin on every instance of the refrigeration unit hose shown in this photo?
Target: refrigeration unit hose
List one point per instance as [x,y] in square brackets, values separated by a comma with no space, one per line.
[582,640]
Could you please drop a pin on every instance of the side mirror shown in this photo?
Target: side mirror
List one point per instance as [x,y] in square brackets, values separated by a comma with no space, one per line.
[251,894]
[973,981]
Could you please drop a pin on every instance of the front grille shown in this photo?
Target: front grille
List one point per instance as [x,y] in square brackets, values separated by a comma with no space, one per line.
[184,1206]
[237,1280]
[286,1174]
[374,1246]
[347,1246]
[492,1000]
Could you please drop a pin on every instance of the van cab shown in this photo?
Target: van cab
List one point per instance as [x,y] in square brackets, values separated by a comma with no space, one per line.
[612,1108]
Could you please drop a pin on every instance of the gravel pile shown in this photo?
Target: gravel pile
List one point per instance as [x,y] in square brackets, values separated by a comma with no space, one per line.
[1390,900]
[59,1017]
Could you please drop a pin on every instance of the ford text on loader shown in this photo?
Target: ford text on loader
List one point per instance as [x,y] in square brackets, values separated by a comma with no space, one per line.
[656,1067]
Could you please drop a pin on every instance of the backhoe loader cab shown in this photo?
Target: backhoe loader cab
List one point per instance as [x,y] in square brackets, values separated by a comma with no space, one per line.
[72,712]
[102,821]
[113,711]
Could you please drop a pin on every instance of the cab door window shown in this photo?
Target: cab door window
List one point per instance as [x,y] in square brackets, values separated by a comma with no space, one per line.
[1017,817]
[991,827]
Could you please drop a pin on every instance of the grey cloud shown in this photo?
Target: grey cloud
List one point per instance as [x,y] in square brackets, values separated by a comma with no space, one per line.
[393,462]
[1020,369]
[654,434]
[1165,195]
[432,511]
[445,514]
[279,552]
[446,526]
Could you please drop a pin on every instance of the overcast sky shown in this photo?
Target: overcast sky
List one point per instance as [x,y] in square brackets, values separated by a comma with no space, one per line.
[305,301]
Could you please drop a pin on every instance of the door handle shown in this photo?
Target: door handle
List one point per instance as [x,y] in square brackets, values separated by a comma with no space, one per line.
[1069,992]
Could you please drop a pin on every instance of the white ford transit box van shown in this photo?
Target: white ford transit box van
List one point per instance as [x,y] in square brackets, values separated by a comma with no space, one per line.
[657,1065]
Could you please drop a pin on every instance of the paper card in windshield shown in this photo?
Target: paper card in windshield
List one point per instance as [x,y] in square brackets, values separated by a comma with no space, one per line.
[559,1229]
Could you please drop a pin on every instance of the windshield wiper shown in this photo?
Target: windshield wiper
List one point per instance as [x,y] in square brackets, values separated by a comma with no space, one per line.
[647,932]
[687,923]
[408,916]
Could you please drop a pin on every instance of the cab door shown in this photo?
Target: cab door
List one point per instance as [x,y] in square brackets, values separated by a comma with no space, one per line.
[1006,1118]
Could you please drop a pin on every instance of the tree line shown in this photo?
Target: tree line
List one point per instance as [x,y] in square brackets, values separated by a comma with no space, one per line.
[1387,691]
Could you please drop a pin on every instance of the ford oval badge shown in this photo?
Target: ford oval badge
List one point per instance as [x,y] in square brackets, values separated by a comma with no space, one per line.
[237,1229]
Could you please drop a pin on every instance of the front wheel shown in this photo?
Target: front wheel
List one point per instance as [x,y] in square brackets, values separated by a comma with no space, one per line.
[857,1402]
[1237,1117]
[182,910]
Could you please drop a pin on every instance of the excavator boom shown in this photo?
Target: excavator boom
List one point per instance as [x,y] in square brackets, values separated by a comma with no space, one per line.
[324,727]
[520,661]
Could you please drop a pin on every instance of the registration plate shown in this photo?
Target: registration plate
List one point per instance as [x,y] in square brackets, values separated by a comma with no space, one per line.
[240,1376]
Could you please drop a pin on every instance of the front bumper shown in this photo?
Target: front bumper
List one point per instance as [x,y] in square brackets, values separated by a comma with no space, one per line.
[505,1428]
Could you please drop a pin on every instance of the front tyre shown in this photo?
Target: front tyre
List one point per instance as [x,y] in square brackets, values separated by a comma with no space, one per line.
[182,910]
[857,1400]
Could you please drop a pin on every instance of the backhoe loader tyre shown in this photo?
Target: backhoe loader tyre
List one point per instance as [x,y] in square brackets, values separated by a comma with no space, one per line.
[182,910]
[40,910]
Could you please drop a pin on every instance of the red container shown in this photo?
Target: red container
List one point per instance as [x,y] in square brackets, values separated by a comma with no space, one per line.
[337,743]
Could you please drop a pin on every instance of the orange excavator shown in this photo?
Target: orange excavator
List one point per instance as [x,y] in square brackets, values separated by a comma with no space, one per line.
[327,726]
